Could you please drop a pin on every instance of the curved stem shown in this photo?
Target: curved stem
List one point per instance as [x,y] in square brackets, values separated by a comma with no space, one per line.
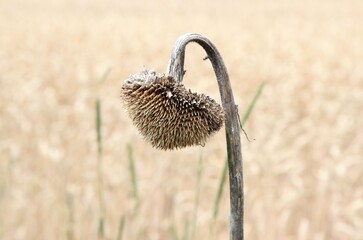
[176,70]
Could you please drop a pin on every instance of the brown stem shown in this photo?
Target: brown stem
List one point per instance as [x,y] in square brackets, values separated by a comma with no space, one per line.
[176,70]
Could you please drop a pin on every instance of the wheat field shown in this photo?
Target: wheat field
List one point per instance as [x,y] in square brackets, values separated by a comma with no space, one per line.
[303,173]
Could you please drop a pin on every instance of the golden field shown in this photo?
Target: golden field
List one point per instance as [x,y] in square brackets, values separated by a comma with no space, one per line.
[303,173]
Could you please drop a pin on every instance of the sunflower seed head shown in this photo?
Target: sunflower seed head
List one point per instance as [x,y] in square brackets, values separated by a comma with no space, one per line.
[168,115]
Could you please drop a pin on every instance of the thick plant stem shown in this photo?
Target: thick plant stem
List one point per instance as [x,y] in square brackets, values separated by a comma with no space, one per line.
[176,70]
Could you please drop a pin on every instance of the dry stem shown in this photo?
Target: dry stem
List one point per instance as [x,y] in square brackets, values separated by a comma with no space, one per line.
[176,70]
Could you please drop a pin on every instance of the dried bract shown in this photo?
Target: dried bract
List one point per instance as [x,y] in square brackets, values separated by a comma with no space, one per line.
[168,115]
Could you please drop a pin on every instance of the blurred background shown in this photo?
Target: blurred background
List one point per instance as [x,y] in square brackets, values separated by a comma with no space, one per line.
[303,172]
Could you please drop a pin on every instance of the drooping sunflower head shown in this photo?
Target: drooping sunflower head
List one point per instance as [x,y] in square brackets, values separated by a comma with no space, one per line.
[167,114]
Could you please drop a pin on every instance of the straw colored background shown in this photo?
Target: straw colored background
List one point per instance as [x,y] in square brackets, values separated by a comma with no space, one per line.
[303,172]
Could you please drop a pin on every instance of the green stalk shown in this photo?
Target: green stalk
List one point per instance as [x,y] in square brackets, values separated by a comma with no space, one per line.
[121,228]
[252,103]
[132,168]
[197,195]
[101,229]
